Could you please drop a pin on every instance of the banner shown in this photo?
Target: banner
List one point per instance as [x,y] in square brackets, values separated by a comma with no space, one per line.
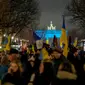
[39,44]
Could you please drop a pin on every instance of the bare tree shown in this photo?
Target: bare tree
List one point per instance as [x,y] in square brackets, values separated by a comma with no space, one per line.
[15,15]
[77,10]
[75,33]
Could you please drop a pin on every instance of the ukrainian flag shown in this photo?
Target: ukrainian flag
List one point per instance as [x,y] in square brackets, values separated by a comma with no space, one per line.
[75,42]
[64,40]
[8,45]
[33,48]
[44,55]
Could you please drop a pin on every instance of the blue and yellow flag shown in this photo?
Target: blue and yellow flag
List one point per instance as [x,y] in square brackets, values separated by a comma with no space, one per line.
[64,40]
[33,48]
[44,56]
[8,45]
[75,42]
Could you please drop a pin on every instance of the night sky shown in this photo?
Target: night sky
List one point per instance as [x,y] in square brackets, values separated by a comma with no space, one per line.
[52,10]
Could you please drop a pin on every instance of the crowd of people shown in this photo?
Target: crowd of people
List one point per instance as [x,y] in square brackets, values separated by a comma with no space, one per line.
[46,66]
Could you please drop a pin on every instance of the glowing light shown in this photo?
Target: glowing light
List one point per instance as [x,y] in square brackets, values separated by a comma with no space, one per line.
[12,37]
[0,47]
[51,26]
[15,40]
[47,34]
[4,35]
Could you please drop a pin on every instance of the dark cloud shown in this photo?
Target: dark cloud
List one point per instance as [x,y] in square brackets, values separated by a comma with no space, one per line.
[52,10]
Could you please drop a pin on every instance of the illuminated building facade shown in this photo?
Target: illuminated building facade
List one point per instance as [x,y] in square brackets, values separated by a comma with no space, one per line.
[49,33]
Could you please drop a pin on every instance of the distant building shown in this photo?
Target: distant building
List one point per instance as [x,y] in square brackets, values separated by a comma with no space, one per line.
[49,33]
[27,35]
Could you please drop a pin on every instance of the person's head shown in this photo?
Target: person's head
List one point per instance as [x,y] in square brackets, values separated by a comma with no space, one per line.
[75,51]
[12,55]
[37,51]
[47,46]
[56,53]
[4,61]
[15,66]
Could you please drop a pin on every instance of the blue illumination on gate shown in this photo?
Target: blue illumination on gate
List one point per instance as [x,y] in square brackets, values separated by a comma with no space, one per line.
[47,34]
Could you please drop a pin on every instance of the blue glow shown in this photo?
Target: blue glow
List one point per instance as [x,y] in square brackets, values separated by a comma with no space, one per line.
[47,34]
